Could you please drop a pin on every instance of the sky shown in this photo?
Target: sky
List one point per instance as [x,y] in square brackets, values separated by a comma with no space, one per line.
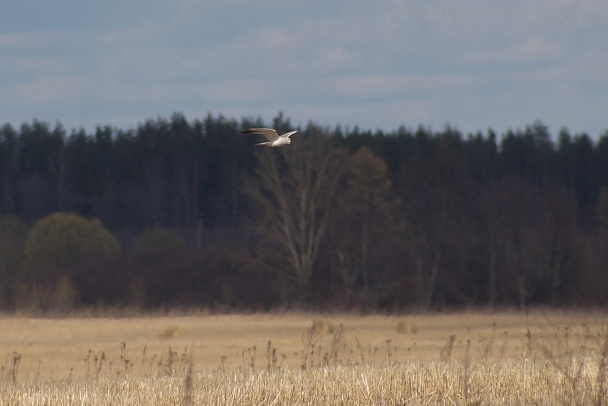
[470,64]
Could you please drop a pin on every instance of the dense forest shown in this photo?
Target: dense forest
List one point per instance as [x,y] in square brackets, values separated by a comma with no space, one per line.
[179,214]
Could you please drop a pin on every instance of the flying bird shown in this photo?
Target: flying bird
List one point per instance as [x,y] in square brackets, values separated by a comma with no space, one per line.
[274,139]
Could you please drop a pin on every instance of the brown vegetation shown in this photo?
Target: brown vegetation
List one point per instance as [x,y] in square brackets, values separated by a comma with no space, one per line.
[463,359]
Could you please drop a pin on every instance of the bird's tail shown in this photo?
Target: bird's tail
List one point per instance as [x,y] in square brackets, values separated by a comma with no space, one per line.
[268,144]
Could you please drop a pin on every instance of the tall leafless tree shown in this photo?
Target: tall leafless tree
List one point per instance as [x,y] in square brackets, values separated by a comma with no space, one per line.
[293,190]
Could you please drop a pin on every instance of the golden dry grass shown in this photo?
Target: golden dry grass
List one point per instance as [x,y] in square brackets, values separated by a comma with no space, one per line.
[542,358]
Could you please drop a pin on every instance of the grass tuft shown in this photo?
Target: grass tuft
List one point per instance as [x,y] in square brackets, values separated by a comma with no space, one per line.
[170,332]
[406,327]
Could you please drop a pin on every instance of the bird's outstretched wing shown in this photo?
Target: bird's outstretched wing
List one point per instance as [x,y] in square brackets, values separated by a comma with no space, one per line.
[289,134]
[270,134]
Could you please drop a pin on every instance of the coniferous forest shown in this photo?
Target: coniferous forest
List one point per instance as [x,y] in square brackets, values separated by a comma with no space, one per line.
[190,214]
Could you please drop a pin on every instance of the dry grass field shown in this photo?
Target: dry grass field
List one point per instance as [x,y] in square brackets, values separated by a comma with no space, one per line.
[456,359]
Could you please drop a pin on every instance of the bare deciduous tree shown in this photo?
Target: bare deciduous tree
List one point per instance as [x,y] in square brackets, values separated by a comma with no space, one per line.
[293,190]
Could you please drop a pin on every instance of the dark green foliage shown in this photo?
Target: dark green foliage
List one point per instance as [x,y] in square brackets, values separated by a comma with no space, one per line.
[421,218]
[61,240]
[13,236]
[57,248]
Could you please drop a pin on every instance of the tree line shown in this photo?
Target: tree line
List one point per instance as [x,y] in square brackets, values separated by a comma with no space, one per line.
[180,214]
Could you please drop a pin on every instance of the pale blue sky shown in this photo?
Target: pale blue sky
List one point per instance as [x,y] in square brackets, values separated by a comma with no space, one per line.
[377,64]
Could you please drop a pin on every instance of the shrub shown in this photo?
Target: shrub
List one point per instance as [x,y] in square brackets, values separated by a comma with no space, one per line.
[61,240]
[155,242]
[55,246]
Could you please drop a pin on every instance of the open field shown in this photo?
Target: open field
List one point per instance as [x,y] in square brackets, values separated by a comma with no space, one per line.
[466,358]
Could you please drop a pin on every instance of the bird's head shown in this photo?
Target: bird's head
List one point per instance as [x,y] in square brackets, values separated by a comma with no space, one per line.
[289,140]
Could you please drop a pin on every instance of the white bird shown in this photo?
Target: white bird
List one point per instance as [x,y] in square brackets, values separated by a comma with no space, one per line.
[274,140]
